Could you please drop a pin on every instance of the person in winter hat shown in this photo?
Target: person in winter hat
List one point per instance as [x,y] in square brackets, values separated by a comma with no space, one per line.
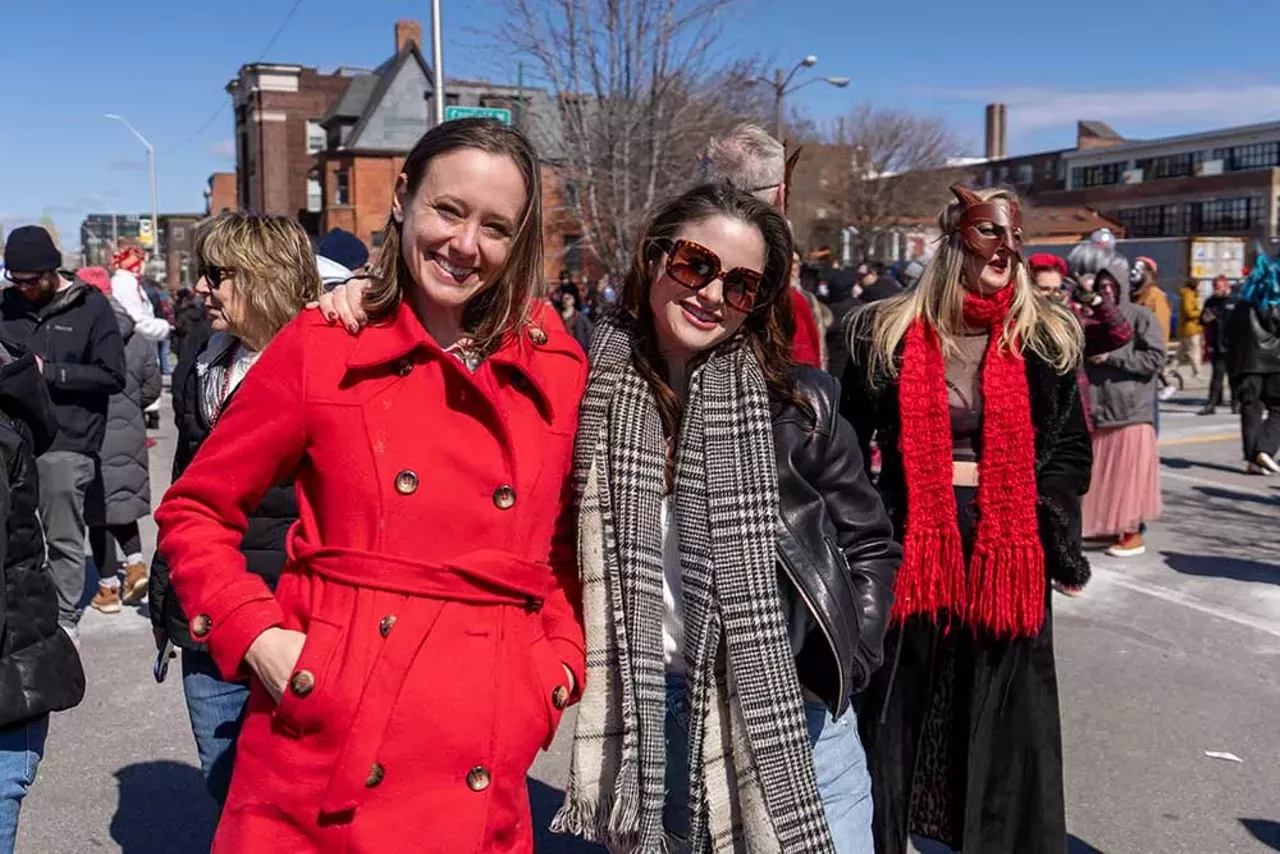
[343,247]
[71,329]
[126,287]
[39,666]
[121,493]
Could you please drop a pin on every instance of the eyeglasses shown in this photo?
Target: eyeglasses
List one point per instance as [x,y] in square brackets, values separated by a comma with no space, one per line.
[25,281]
[695,266]
[214,275]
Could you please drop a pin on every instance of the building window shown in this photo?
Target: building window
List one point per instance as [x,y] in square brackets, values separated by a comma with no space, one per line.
[341,187]
[1104,174]
[179,234]
[315,194]
[1169,166]
[573,252]
[1026,174]
[1258,155]
[316,138]
[376,238]
[1219,215]
[1051,169]
[1152,221]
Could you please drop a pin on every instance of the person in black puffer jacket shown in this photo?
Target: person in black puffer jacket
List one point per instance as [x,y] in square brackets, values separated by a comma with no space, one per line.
[40,670]
[238,254]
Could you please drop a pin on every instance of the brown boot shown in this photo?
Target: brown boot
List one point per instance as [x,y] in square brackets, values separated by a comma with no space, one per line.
[107,599]
[135,583]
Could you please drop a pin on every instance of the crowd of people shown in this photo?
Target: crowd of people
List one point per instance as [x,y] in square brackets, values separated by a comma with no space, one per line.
[788,540]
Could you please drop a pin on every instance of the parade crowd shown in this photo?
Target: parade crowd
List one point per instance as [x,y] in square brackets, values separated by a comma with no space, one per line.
[788,538]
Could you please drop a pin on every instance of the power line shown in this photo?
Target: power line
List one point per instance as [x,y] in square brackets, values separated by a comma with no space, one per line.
[218,112]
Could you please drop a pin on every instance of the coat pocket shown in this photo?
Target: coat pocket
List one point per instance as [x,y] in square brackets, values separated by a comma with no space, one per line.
[547,673]
[300,710]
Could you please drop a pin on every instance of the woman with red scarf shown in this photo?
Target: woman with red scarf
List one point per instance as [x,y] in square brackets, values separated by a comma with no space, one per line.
[969,385]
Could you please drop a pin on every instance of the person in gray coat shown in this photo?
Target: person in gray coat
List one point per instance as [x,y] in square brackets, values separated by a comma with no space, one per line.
[121,492]
[1125,490]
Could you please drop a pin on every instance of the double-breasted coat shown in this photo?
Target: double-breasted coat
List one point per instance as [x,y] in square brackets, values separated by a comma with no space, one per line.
[432,570]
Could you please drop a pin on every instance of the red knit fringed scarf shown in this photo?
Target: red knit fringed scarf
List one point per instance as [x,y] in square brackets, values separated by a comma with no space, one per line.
[1003,589]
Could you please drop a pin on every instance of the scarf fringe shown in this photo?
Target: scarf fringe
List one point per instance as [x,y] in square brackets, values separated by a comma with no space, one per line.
[1006,589]
[920,589]
[602,822]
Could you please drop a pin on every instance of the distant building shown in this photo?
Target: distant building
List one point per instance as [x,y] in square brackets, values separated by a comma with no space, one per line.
[173,264]
[221,194]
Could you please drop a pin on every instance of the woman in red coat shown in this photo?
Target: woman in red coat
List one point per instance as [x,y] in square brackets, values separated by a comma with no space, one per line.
[424,638]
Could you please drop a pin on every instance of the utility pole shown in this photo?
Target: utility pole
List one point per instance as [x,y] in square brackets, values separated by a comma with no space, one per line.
[781,84]
[437,62]
[151,167]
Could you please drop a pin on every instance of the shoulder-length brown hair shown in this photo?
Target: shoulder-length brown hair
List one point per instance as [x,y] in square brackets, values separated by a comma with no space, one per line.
[768,329]
[503,305]
[273,264]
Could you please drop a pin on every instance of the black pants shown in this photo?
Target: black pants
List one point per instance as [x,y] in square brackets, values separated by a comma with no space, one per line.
[104,553]
[1218,380]
[1259,399]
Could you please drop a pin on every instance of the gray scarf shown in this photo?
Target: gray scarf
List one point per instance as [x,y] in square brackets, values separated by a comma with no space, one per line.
[752,783]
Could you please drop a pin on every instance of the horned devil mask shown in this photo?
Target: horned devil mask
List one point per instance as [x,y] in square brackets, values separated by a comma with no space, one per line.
[985,226]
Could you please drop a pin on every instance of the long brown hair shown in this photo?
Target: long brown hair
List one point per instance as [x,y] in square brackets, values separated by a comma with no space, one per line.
[768,329]
[503,305]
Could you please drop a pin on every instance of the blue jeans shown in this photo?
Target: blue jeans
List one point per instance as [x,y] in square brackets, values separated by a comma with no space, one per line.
[162,355]
[21,748]
[216,708]
[839,764]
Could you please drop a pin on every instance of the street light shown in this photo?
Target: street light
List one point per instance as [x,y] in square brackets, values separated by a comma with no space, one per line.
[780,90]
[151,167]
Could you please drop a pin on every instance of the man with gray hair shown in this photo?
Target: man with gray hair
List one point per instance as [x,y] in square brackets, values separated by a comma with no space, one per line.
[751,160]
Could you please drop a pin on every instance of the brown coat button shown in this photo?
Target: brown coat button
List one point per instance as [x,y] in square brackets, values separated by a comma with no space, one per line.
[302,683]
[385,624]
[560,697]
[201,625]
[537,336]
[404,367]
[406,483]
[478,778]
[376,773]
[504,498]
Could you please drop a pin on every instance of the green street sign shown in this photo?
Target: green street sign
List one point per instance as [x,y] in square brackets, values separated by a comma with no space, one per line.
[451,113]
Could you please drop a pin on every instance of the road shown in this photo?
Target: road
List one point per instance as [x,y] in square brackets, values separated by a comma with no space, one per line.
[1165,658]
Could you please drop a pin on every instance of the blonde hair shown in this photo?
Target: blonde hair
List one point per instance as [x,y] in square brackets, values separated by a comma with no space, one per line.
[274,265]
[505,303]
[1047,329]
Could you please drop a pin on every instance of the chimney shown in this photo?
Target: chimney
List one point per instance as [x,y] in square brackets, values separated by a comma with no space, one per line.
[996,132]
[408,32]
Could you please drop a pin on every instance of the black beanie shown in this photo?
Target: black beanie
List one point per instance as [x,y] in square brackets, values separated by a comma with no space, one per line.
[30,249]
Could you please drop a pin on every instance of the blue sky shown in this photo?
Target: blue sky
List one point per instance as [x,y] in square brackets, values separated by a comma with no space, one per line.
[1149,67]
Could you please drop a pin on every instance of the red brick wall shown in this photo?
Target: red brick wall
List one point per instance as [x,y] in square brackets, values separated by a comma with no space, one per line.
[371,183]
[222,192]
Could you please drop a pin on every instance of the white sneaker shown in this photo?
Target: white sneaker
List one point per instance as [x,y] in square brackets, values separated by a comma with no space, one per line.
[1268,462]
[1258,469]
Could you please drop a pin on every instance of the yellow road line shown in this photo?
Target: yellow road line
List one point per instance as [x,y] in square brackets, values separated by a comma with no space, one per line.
[1198,440]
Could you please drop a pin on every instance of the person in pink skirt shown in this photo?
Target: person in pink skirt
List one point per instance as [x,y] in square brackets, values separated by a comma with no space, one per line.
[1125,491]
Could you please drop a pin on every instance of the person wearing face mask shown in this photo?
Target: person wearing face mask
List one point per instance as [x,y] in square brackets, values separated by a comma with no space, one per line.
[969,385]
[423,639]
[724,573]
[1145,291]
[255,277]
[1125,491]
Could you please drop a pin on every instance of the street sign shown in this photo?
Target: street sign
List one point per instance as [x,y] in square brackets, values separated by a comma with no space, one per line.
[145,235]
[451,113]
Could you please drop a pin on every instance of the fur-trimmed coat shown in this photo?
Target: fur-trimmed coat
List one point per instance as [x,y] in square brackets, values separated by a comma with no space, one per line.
[1008,796]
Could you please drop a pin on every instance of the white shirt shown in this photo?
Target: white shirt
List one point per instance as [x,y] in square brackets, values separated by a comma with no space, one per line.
[672,592]
[127,290]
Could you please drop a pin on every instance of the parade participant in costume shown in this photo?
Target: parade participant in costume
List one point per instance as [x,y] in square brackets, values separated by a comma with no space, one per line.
[1125,489]
[254,275]
[1145,291]
[1253,361]
[760,597]
[423,639]
[969,385]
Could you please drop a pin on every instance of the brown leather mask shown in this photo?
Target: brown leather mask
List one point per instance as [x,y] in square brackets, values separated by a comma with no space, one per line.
[985,226]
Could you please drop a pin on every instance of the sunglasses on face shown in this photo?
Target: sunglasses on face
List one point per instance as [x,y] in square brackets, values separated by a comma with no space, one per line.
[695,266]
[214,275]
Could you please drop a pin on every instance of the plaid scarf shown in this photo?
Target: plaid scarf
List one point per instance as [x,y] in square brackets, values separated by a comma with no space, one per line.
[752,783]
[1003,590]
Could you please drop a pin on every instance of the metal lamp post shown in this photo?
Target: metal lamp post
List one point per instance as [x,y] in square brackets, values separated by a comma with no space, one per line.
[782,87]
[151,168]
[437,62]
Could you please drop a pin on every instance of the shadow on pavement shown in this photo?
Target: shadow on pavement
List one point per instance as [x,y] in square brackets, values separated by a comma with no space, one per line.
[163,807]
[1236,495]
[1182,463]
[1224,567]
[545,800]
[1076,845]
[1265,831]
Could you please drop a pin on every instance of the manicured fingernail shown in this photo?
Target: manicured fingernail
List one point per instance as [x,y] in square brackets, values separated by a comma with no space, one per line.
[332,318]
[352,328]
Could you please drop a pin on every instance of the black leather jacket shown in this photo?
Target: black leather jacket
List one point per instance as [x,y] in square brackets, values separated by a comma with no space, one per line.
[836,549]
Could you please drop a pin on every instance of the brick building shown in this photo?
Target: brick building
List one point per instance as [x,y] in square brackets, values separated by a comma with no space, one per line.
[173,264]
[221,194]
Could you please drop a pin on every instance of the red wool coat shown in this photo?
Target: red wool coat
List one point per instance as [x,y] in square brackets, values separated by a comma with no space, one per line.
[432,569]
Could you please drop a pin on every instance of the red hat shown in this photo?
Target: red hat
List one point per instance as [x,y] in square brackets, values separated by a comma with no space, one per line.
[1047,261]
[129,258]
[96,276]
[1151,265]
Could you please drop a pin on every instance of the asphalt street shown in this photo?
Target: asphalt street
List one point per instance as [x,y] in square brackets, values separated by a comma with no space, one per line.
[1165,659]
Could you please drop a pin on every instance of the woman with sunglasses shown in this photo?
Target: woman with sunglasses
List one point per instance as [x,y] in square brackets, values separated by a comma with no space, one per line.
[423,640]
[256,274]
[968,383]
[736,560]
